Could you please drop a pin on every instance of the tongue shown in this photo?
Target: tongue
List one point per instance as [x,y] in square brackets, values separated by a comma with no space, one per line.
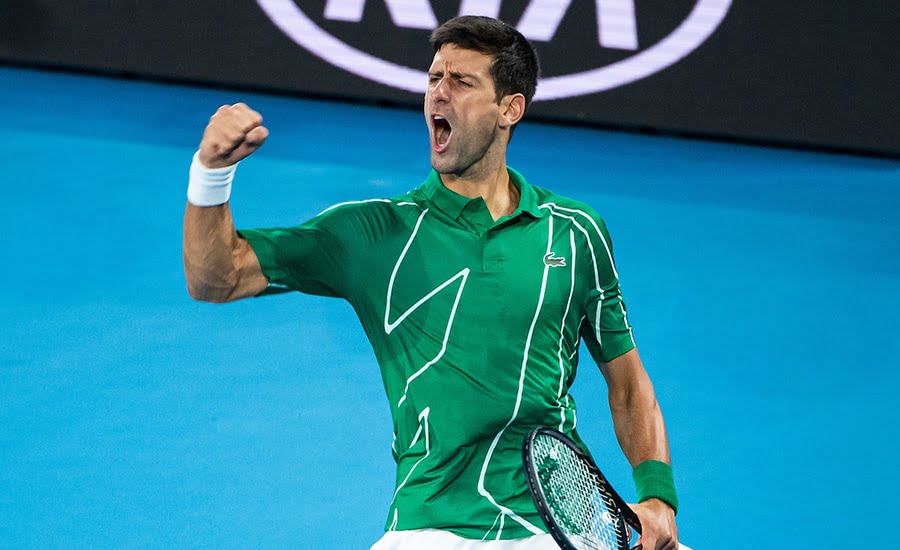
[442,134]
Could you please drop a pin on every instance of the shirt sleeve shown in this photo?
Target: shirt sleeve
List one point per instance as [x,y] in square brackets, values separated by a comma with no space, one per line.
[319,256]
[605,329]
[304,258]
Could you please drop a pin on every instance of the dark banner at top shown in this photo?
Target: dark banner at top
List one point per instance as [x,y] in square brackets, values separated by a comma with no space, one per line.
[808,72]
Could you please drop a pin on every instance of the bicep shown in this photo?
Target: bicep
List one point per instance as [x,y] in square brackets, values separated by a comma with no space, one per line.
[625,374]
[218,265]
[251,279]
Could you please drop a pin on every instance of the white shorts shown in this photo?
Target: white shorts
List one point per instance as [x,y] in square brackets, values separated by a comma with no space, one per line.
[436,539]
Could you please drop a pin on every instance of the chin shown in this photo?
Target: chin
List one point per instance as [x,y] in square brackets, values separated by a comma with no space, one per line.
[443,165]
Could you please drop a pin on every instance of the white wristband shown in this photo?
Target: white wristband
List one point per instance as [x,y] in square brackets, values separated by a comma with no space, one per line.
[209,186]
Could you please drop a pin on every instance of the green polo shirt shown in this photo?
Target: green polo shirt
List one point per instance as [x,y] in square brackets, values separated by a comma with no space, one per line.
[475,324]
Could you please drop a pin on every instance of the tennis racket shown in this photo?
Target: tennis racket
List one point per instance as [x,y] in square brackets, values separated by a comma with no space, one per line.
[578,505]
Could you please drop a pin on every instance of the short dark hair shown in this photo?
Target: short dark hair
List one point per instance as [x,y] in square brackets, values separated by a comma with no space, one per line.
[515,65]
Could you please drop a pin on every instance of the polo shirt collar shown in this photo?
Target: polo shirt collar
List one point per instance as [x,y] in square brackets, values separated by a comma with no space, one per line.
[454,203]
[527,196]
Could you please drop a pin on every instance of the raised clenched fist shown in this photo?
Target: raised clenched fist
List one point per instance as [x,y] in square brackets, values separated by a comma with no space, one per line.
[234,132]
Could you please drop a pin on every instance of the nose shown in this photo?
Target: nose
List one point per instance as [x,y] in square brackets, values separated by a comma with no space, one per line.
[439,90]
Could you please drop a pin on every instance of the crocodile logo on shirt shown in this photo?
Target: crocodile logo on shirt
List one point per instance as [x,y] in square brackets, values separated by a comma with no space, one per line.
[550,259]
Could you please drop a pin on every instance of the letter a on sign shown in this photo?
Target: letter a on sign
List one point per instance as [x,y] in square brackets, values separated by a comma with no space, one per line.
[616,23]
[409,14]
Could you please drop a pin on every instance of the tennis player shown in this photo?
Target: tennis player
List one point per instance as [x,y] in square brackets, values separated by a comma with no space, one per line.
[475,291]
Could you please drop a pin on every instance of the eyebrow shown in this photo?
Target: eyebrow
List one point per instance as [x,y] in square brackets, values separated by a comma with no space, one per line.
[454,74]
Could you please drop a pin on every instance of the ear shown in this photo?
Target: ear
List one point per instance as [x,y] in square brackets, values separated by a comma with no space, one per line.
[512,109]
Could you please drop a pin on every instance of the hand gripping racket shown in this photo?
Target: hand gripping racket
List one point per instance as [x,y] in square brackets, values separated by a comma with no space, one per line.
[575,500]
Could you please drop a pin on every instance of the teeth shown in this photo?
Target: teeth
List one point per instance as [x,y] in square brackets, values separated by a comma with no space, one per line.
[439,117]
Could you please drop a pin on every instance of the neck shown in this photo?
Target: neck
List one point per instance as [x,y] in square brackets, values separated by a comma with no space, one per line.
[493,186]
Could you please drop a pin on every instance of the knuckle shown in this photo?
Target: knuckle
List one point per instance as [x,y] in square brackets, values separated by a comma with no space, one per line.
[250,125]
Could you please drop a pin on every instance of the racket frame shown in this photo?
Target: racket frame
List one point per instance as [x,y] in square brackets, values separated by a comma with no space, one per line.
[537,492]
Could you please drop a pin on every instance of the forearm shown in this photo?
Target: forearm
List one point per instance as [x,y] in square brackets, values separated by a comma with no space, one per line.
[637,418]
[641,431]
[638,422]
[219,266]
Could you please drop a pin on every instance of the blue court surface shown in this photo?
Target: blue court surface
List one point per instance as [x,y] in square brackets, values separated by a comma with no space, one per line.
[764,286]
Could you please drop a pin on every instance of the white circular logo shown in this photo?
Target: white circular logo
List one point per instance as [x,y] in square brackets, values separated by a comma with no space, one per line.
[701,22]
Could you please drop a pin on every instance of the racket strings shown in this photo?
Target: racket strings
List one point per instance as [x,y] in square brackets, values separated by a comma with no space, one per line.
[578,498]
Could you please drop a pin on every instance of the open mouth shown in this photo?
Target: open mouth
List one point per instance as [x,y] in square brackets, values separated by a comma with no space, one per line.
[442,132]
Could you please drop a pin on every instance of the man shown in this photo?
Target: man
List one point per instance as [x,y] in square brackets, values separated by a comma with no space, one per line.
[474,289]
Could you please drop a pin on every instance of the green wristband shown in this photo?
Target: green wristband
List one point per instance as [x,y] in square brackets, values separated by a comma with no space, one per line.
[653,479]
